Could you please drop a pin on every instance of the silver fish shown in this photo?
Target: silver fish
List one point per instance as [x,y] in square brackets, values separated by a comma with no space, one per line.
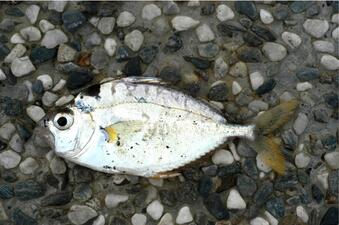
[139,126]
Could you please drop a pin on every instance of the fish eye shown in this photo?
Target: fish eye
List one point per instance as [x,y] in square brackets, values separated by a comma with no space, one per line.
[63,121]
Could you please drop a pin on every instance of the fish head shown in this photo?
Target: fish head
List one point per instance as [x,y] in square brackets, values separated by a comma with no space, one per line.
[71,129]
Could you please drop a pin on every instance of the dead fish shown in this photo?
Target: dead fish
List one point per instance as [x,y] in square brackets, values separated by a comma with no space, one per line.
[139,126]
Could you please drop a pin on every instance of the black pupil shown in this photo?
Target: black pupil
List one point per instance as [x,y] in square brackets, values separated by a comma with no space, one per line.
[62,121]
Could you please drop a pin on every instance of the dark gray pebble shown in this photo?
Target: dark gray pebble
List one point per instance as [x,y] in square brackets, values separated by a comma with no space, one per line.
[264,32]
[199,63]
[250,168]
[332,100]
[216,207]
[167,197]
[78,79]
[229,170]
[321,115]
[263,194]
[276,207]
[290,139]
[170,74]
[29,189]
[54,17]
[300,6]
[38,87]
[252,40]
[73,20]
[226,183]
[41,54]
[266,87]
[331,217]
[246,185]
[14,11]
[21,218]
[3,145]
[174,43]
[3,38]
[250,55]
[218,92]
[7,25]
[147,54]
[123,54]
[9,176]
[132,67]
[307,73]
[57,199]
[82,174]
[82,192]
[246,8]
[333,182]
[281,12]
[329,142]
[313,10]
[229,28]
[207,9]
[317,194]
[286,181]
[4,51]
[11,106]
[6,191]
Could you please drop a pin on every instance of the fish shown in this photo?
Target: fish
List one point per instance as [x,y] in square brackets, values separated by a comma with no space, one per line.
[140,126]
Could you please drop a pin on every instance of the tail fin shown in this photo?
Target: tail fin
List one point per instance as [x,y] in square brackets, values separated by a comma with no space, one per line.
[265,144]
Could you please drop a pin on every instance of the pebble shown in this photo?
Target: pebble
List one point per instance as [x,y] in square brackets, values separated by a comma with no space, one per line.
[321,115]
[99,58]
[134,40]
[259,221]
[82,192]
[22,66]
[332,159]
[199,63]
[32,13]
[291,39]
[246,185]
[49,98]
[28,166]
[335,34]
[57,198]
[110,46]
[2,75]
[113,200]
[80,214]
[220,68]
[66,53]
[235,201]
[208,50]
[266,17]
[262,166]
[47,81]
[271,219]
[329,62]
[155,209]
[316,27]
[302,160]
[216,207]
[60,85]
[58,6]
[28,189]
[150,11]
[16,52]
[14,11]
[239,69]
[184,215]
[274,51]
[181,23]
[6,131]
[167,219]
[64,100]
[30,33]
[276,207]
[73,20]
[205,33]
[45,25]
[36,113]
[224,13]
[222,157]
[256,80]
[100,220]
[304,86]
[218,92]
[77,79]
[139,219]
[170,74]
[323,46]
[263,32]
[19,217]
[246,8]
[330,217]
[58,166]
[307,73]
[132,67]
[300,123]
[106,25]
[6,191]
[92,40]
[54,38]
[302,213]
[17,39]
[258,106]
[9,159]
[42,54]
[125,19]
[331,100]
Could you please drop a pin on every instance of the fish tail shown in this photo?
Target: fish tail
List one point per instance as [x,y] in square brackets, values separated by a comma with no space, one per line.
[264,143]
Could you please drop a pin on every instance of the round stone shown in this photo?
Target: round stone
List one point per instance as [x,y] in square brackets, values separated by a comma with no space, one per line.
[80,214]
[66,53]
[16,52]
[329,62]
[45,25]
[110,46]
[262,166]
[300,123]
[315,27]
[134,40]
[17,39]
[224,13]
[220,68]
[181,23]
[64,100]
[208,50]
[106,25]
[222,157]
[256,80]
[113,200]
[58,6]
[150,11]
[125,19]
[204,33]
[30,33]
[304,86]
[274,51]
[235,201]
[302,160]
[54,38]
[302,213]
[266,17]
[32,13]
[22,66]
[47,81]
[139,219]
[291,39]
[29,166]
[236,88]
[36,113]
[155,209]
[184,215]
[332,159]
[9,159]
[6,131]
[239,69]
[323,46]
[167,219]
[57,166]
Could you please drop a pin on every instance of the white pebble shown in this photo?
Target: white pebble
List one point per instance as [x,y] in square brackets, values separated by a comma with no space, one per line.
[156,182]
[110,46]
[9,159]
[266,17]
[258,105]
[94,21]
[54,38]
[45,25]
[262,166]
[335,18]
[113,200]
[106,25]
[220,68]
[274,51]
[302,160]
[30,33]
[329,62]
[138,219]
[193,3]
[16,52]
[302,213]
[335,34]
[300,123]
[80,214]
[256,80]
[16,143]
[49,98]
[32,13]
[60,85]
[204,33]
[236,88]
[28,166]
[58,6]
[167,219]
[271,219]
[155,209]
[125,19]
[64,100]
[28,84]
[235,201]
[181,23]
[65,53]
[150,11]
[184,215]
[6,131]
[36,113]
[259,221]
[22,66]
[304,86]
[323,46]
[224,13]
[222,157]
[291,39]
[17,39]
[332,159]
[134,40]
[2,75]
[100,220]
[47,81]
[315,27]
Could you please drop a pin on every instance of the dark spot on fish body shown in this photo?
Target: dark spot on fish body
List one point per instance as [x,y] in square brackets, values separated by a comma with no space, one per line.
[107,167]
[118,143]
[93,91]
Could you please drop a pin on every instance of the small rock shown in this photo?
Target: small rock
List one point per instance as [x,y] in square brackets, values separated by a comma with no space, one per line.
[215,206]
[19,217]
[17,39]
[14,11]
[150,11]
[77,79]
[259,221]
[266,17]
[246,8]
[58,166]
[298,7]
[246,185]
[9,159]
[302,213]
[32,13]
[263,194]
[106,25]
[329,62]
[36,113]
[155,209]
[46,80]
[258,106]
[6,191]
[332,159]
[220,68]
[45,26]
[42,54]
[291,39]
[222,157]
[335,34]
[100,220]
[28,189]
[82,192]
[60,85]
[2,75]
[113,200]
[6,131]
[54,38]
[139,219]
[125,19]
[274,51]
[323,46]
[235,201]
[64,100]
[302,160]
[170,8]
[224,13]
[330,217]
[110,46]
[263,32]
[218,92]
[134,40]
[332,100]
[99,58]
[170,74]
[7,25]
[300,123]
[92,40]
[22,66]
[315,27]
[16,52]
[57,199]
[58,6]
[236,88]
[208,50]
[30,33]
[239,69]
[132,67]
[147,54]
[181,23]
[80,214]
[49,98]
[307,73]
[321,115]
[66,53]
[73,20]
[193,3]
[262,166]
[199,63]
[205,33]
[256,80]
[304,86]
[276,207]
[174,43]
[29,166]
[184,215]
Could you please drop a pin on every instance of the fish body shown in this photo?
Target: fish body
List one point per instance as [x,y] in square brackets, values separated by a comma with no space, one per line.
[139,126]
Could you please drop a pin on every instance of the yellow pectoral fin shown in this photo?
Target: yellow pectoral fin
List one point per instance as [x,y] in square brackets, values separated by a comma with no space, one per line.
[122,129]
[112,134]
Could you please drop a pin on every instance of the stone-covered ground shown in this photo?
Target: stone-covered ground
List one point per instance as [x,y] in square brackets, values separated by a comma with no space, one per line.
[244,57]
